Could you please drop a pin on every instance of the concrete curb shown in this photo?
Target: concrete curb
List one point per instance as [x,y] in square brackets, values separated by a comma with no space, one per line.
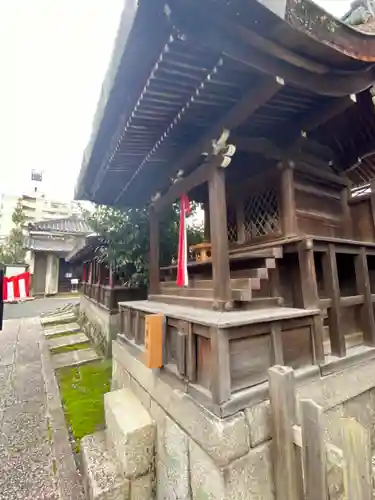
[68,478]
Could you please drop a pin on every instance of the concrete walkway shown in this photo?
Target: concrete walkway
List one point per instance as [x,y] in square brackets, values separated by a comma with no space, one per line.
[27,467]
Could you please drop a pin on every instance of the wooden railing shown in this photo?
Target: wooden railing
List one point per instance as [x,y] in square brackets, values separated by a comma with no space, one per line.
[109,297]
[325,470]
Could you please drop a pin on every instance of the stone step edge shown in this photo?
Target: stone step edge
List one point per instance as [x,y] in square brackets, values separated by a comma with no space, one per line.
[101,470]
[78,338]
[76,362]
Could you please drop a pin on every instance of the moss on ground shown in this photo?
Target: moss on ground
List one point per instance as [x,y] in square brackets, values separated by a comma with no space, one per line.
[68,348]
[82,392]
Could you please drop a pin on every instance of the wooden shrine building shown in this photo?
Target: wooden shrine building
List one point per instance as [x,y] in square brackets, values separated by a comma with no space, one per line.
[263,111]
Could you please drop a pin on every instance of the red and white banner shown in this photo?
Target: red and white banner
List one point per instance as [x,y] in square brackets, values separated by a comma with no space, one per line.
[182,273]
[16,287]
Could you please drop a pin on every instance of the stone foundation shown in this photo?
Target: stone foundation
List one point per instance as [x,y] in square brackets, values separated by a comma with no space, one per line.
[200,456]
[99,323]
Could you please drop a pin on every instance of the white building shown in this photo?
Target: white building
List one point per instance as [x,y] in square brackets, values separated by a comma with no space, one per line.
[36,205]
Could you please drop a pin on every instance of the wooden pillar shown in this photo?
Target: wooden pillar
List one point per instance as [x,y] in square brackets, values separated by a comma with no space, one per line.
[207,231]
[310,297]
[111,276]
[220,365]
[372,204]
[346,215]
[364,288]
[154,269]
[219,238]
[283,411]
[287,199]
[331,283]
[240,221]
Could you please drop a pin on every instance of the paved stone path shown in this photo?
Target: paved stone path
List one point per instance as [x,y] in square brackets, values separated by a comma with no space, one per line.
[27,469]
[36,307]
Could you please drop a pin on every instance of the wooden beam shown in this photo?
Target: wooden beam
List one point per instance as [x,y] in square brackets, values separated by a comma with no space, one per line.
[282,396]
[346,214]
[332,286]
[206,208]
[154,256]
[243,109]
[333,83]
[219,238]
[314,450]
[183,186]
[364,288]
[240,221]
[287,200]
[220,364]
[322,115]
[310,297]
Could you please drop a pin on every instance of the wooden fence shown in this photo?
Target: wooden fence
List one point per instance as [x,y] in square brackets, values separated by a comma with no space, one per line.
[306,466]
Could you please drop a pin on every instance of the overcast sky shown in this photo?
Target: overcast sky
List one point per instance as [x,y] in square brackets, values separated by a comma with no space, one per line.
[53,56]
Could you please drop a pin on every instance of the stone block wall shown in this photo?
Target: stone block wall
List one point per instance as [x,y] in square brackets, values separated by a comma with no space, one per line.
[99,324]
[200,456]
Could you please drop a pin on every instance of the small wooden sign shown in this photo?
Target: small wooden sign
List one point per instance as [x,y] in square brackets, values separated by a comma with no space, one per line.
[154,324]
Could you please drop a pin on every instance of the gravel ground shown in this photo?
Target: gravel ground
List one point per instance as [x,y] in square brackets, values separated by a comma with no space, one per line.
[36,307]
[27,470]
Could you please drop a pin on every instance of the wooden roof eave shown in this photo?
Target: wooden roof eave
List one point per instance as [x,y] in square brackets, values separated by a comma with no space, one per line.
[311,19]
[335,83]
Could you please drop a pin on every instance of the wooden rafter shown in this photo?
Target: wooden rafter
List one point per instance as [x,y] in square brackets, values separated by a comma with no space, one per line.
[334,83]
[254,99]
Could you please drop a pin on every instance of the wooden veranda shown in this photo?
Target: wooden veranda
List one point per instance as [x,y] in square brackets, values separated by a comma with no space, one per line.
[263,112]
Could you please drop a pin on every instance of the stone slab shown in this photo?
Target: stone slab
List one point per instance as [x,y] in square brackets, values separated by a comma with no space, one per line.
[130,432]
[141,488]
[76,338]
[74,358]
[60,329]
[102,474]
[220,319]
[61,318]
[223,439]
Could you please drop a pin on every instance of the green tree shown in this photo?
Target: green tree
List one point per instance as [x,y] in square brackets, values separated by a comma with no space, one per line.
[125,234]
[13,250]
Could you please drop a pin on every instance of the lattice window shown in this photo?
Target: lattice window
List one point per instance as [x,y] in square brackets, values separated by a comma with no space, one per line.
[232,225]
[262,214]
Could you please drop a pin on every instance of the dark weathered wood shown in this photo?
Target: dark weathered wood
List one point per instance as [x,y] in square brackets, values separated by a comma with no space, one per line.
[240,220]
[331,284]
[181,352]
[310,298]
[364,288]
[281,387]
[191,362]
[154,272]
[186,184]
[277,344]
[356,442]
[244,108]
[207,231]
[346,215]
[219,237]
[138,337]
[220,366]
[313,450]
[287,200]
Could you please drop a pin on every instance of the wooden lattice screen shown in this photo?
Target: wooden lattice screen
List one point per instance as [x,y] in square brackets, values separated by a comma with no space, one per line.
[262,214]
[231,225]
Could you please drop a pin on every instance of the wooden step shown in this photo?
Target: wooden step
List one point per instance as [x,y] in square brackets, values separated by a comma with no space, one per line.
[197,302]
[247,252]
[188,291]
[245,283]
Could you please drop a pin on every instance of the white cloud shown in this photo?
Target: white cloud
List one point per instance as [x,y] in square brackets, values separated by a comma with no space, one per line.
[54,54]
